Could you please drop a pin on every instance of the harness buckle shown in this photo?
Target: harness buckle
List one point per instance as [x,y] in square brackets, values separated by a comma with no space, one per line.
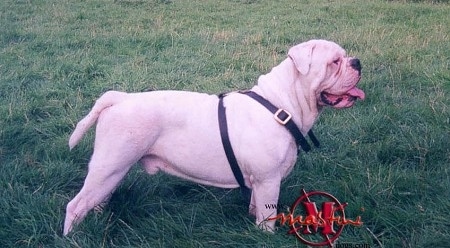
[282,116]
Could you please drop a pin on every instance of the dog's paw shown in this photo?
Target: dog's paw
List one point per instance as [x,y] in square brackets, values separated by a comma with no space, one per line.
[267,226]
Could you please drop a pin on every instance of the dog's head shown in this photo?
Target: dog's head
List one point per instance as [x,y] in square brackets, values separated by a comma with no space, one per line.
[332,75]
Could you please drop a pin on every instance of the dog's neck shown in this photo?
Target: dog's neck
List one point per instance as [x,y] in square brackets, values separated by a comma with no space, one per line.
[283,87]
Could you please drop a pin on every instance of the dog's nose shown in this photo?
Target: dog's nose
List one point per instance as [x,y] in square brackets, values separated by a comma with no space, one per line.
[356,64]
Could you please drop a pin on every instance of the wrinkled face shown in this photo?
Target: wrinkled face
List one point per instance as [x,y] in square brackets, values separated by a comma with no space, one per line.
[333,75]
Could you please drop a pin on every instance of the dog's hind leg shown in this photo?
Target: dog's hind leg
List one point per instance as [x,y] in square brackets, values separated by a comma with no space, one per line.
[101,181]
[114,154]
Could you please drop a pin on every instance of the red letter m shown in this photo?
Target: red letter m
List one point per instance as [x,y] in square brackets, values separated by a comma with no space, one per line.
[324,218]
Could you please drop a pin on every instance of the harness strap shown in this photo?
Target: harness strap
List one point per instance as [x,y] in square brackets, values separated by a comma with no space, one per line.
[246,192]
[285,118]
[281,116]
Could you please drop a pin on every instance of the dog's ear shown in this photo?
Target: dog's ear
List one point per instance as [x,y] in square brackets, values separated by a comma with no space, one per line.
[301,55]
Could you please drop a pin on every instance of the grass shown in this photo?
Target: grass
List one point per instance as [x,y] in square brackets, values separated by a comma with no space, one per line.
[388,155]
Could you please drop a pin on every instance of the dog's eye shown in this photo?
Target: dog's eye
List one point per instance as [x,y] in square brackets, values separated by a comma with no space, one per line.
[336,61]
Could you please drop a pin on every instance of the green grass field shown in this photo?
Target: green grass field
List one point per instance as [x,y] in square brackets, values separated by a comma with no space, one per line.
[388,156]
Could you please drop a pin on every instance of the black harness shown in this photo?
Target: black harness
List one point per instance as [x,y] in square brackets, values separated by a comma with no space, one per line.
[280,115]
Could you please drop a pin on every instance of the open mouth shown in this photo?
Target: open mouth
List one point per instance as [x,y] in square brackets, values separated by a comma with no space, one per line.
[346,99]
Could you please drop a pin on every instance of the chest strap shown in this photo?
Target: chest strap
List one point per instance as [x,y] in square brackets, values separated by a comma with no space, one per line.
[280,115]
[246,192]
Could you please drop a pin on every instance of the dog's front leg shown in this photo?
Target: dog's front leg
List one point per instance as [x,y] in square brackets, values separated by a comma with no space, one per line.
[264,197]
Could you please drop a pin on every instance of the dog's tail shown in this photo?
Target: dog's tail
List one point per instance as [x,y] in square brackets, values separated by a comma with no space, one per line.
[107,100]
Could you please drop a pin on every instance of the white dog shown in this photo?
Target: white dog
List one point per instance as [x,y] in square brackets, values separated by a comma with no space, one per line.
[178,133]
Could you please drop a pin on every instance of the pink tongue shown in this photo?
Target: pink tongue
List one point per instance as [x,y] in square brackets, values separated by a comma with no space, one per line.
[356,93]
